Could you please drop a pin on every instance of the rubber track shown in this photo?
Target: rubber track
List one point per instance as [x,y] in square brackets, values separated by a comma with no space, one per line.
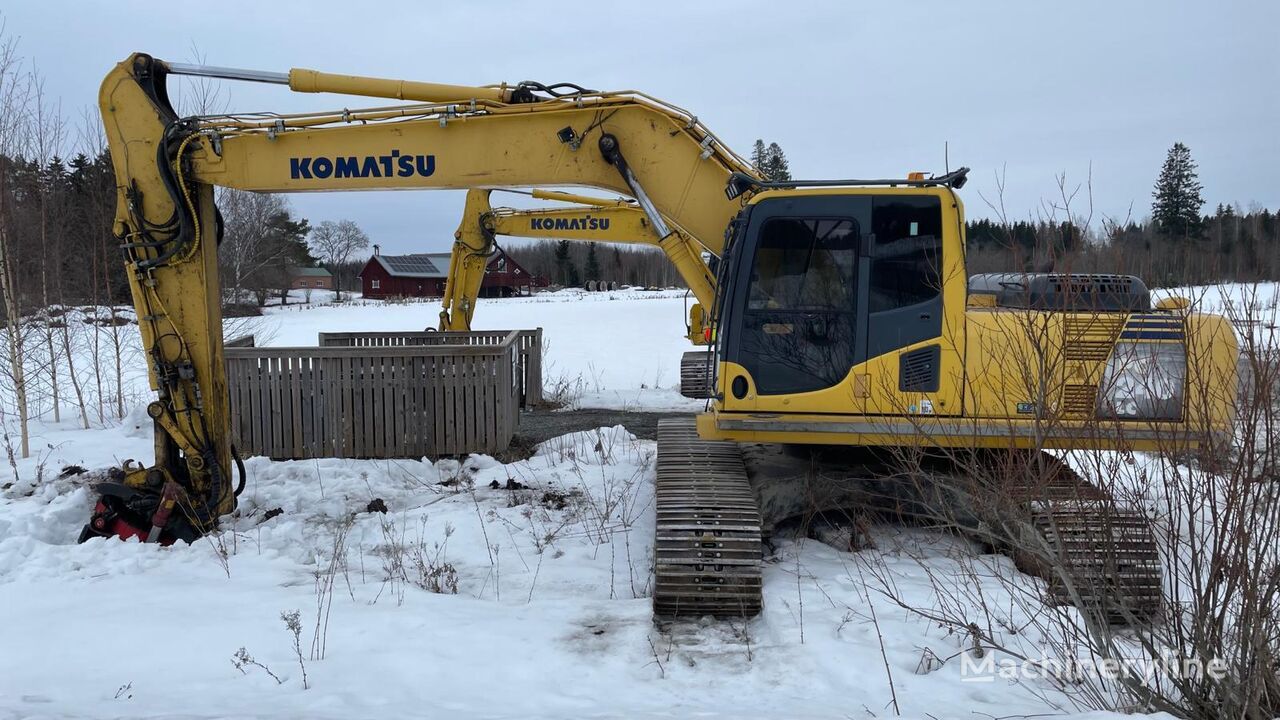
[695,374]
[707,549]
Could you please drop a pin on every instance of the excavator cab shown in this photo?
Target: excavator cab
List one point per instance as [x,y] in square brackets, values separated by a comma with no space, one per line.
[821,287]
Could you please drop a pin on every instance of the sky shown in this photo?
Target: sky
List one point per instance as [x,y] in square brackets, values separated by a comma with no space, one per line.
[1030,91]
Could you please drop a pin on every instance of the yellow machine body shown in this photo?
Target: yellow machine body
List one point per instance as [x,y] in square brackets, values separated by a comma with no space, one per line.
[1005,377]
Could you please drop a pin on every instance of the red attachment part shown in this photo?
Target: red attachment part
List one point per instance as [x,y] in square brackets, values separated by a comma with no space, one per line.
[107,523]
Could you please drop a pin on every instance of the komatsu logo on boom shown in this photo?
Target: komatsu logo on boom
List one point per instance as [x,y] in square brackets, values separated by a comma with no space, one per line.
[586,222]
[396,164]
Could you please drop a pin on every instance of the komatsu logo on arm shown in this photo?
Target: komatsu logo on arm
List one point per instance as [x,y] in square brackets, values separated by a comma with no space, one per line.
[396,164]
[586,222]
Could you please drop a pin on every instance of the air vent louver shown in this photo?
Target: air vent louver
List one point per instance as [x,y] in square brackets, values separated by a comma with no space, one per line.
[918,370]
[1090,337]
[1079,400]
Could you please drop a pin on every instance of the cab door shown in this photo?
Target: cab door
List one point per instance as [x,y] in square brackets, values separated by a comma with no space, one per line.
[795,316]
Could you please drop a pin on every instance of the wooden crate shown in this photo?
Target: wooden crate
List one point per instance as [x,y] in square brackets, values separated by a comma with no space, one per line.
[374,401]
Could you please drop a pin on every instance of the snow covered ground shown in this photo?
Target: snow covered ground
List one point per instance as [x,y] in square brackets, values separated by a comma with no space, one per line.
[1254,308]
[551,613]
[551,616]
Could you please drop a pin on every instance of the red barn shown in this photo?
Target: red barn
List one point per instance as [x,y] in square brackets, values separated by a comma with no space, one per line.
[504,277]
[424,274]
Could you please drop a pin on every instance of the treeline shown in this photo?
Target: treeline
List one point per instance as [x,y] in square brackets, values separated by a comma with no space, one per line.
[1232,245]
[573,264]
[57,218]
[1177,246]
[59,249]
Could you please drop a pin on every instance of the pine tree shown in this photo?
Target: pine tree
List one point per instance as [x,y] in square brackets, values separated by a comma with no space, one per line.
[565,271]
[775,164]
[593,263]
[770,162]
[759,158]
[1176,209]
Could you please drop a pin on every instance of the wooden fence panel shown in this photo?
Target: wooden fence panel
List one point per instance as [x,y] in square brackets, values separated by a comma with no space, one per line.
[375,400]
[529,353]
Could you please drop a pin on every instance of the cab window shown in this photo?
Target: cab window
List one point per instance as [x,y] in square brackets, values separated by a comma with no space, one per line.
[906,252]
[804,263]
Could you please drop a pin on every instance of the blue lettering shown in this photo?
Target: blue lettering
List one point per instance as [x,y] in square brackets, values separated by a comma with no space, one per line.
[353,166]
[346,167]
[604,223]
[300,168]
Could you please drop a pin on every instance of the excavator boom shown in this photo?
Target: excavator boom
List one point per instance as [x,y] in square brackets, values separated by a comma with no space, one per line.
[462,142]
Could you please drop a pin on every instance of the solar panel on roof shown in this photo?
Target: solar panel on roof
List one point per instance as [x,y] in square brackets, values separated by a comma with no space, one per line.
[419,264]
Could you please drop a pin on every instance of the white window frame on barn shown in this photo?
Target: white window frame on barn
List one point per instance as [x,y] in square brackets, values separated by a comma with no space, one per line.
[375,284]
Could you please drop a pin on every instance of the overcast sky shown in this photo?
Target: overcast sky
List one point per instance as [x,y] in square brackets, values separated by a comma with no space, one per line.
[848,89]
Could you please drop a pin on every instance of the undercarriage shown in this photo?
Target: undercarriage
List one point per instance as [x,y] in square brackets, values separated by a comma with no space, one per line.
[719,502]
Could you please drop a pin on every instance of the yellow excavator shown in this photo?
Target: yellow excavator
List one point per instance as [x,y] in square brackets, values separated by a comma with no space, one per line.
[840,313]
[586,219]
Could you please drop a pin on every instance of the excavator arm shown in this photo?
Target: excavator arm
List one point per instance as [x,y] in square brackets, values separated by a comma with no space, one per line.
[686,182]
[589,220]
[169,230]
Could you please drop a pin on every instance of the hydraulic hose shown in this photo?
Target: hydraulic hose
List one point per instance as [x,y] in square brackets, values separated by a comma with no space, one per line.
[240,469]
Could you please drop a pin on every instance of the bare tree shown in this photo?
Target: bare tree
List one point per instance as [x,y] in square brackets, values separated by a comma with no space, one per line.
[200,95]
[336,242]
[15,100]
[47,135]
[100,208]
[247,247]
